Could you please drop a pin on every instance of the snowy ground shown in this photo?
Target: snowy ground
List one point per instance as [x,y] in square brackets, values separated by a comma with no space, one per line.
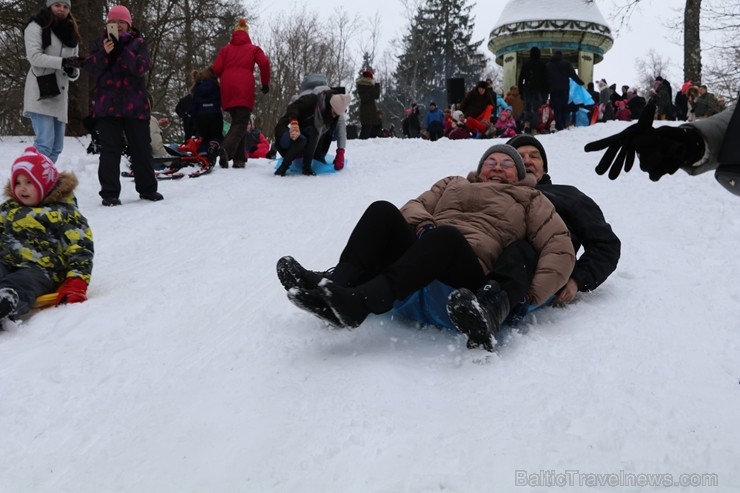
[189,371]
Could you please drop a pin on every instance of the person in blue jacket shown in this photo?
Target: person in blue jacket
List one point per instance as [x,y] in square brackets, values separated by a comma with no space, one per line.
[434,122]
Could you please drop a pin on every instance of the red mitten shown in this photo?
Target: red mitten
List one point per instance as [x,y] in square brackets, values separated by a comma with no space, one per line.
[339,160]
[72,290]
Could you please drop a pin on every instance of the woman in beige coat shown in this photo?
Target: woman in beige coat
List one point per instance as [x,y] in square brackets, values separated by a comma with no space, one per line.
[452,233]
[52,44]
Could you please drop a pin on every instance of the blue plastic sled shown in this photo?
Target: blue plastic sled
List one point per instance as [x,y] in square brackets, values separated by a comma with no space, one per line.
[318,167]
[428,306]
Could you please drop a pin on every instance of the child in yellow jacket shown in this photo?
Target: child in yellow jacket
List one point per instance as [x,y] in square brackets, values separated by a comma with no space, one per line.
[46,244]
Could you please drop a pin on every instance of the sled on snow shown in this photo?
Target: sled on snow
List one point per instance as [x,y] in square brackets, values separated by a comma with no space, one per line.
[319,167]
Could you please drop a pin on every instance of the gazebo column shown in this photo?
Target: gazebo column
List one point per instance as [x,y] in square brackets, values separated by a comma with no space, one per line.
[510,70]
[586,66]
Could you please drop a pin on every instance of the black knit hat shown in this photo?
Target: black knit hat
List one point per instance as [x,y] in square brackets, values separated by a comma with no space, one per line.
[527,140]
[509,151]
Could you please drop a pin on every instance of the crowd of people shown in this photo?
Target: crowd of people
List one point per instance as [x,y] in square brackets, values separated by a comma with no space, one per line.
[549,97]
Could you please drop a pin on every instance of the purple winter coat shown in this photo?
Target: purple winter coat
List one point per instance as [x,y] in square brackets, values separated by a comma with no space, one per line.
[120,91]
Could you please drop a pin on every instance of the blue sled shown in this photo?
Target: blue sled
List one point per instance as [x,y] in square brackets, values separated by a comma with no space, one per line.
[318,167]
[428,306]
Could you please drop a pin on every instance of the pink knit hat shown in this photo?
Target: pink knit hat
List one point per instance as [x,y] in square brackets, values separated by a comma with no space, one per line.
[38,168]
[340,103]
[120,13]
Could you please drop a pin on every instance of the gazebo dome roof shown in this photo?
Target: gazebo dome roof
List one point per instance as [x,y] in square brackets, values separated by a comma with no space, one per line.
[550,10]
[571,26]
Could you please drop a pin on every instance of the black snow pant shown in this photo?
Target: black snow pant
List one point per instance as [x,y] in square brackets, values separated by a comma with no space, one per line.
[383,243]
[559,103]
[111,131]
[211,127]
[29,282]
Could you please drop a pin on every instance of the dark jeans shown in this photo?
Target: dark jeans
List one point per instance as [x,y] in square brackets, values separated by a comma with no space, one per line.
[559,103]
[532,102]
[234,141]
[383,243]
[29,282]
[111,131]
[436,130]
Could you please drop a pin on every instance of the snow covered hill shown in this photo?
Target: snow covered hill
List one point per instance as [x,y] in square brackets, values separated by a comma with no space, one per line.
[189,371]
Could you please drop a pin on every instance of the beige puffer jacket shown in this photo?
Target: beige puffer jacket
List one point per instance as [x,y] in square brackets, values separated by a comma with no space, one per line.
[493,215]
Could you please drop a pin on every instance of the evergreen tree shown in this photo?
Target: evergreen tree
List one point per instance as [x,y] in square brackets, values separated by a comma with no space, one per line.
[438,46]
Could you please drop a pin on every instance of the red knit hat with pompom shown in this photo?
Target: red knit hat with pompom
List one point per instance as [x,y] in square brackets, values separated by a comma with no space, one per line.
[38,168]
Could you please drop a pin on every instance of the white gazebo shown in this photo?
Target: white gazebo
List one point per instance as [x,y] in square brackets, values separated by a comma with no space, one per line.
[575,27]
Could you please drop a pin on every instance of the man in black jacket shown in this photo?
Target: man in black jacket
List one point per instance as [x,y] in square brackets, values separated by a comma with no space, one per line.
[559,73]
[533,87]
[585,221]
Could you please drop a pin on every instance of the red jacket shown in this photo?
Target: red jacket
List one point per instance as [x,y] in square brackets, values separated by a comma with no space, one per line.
[262,148]
[234,66]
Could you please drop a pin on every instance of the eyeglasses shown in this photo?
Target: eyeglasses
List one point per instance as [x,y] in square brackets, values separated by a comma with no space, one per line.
[504,164]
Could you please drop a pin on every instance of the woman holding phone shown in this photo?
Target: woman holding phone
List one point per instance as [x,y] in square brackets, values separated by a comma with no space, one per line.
[52,43]
[120,60]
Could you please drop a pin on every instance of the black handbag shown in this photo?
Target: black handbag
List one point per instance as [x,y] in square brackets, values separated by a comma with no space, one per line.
[48,87]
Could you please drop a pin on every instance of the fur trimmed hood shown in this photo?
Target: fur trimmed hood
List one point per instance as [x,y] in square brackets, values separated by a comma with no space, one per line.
[64,189]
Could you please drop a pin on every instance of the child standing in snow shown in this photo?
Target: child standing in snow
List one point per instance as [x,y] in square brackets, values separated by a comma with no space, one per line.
[205,107]
[46,244]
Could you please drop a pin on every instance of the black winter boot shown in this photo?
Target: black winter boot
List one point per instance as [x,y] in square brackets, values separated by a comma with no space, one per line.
[312,301]
[8,302]
[223,158]
[352,305]
[294,275]
[480,314]
[307,169]
[283,168]
[213,151]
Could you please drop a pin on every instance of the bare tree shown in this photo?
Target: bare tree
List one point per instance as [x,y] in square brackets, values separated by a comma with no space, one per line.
[691,33]
[650,67]
[723,75]
[299,43]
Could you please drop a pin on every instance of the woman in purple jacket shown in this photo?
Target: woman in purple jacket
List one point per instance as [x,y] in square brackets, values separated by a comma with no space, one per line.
[121,106]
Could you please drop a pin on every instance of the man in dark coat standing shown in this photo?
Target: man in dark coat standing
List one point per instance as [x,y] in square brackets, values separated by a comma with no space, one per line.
[533,86]
[559,71]
[368,91]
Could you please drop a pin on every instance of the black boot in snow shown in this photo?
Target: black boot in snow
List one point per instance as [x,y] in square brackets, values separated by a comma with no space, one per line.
[312,302]
[307,169]
[480,314]
[352,305]
[283,169]
[294,275]
[8,302]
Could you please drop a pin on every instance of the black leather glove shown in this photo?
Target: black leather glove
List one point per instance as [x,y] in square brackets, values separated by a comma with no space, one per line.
[72,62]
[662,150]
[265,89]
[117,48]
[70,71]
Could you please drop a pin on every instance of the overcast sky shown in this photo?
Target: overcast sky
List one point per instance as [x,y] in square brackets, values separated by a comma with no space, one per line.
[647,29]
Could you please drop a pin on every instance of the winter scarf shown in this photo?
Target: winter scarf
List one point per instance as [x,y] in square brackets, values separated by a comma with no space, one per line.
[63,29]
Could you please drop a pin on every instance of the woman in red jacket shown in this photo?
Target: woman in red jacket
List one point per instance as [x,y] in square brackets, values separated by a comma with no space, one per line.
[234,66]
